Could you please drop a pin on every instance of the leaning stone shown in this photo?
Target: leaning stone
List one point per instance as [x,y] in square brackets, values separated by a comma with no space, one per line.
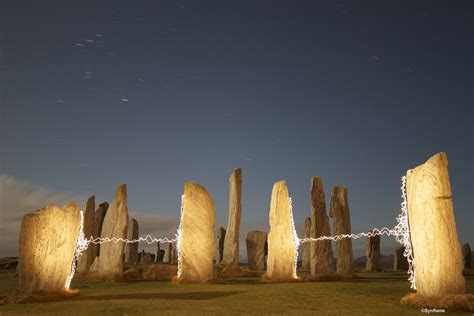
[372,253]
[87,257]
[436,247]
[115,225]
[231,241]
[99,221]
[400,262]
[306,247]
[342,225]
[281,243]
[256,244]
[131,249]
[48,240]
[197,236]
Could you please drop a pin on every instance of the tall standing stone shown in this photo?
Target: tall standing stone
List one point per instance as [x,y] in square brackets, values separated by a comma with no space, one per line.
[87,257]
[169,253]
[48,240]
[436,247]
[220,243]
[157,255]
[466,255]
[281,242]
[339,211]
[231,241]
[197,236]
[110,264]
[99,221]
[321,251]
[372,253]
[400,262]
[256,245]
[131,249]
[306,264]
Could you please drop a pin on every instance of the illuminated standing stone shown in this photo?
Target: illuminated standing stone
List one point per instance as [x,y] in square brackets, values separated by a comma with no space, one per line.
[220,243]
[339,211]
[436,247]
[231,241]
[256,246]
[99,221]
[372,253]
[87,257]
[110,263]
[281,243]
[48,240]
[321,251]
[306,247]
[131,249]
[197,244]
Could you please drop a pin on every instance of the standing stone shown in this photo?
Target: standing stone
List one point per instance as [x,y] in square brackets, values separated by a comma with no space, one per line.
[436,247]
[256,244]
[87,257]
[146,258]
[169,253]
[466,256]
[339,211]
[231,241]
[321,251]
[161,255]
[131,249]
[157,256]
[306,247]
[47,244]
[281,240]
[99,221]
[400,262]
[110,265]
[175,256]
[220,243]
[197,242]
[372,253]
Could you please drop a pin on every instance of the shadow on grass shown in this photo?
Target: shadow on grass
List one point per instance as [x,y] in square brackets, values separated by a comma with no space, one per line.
[197,296]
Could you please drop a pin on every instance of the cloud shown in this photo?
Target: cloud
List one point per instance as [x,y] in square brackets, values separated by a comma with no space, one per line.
[18,198]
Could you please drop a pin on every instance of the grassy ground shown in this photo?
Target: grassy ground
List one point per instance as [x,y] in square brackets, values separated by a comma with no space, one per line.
[371,294]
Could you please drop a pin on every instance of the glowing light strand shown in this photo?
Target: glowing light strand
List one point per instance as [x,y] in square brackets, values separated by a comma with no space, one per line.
[295,238]
[81,245]
[179,235]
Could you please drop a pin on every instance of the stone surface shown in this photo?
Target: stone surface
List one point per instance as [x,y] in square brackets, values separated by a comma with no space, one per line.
[399,260]
[161,255]
[231,241]
[47,244]
[99,221]
[466,256]
[168,253]
[115,224]
[339,211]
[372,252]
[87,257]
[306,247]
[321,251]
[131,249]
[157,254]
[197,241]
[281,244]
[220,243]
[436,247]
[146,258]
[256,250]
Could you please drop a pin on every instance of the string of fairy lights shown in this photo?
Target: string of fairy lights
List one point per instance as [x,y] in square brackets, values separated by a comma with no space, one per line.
[401,231]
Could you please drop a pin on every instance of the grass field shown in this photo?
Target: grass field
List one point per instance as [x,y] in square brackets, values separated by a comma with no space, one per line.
[371,294]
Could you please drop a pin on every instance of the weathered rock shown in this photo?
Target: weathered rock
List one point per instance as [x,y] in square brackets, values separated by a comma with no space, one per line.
[306,247]
[321,251]
[157,255]
[169,253]
[281,243]
[131,249]
[197,242]
[436,247]
[87,257]
[256,246]
[47,244]
[400,262]
[132,274]
[339,211]
[466,256]
[115,225]
[161,255]
[175,256]
[231,241]
[372,252]
[146,258]
[158,272]
[99,221]
[220,243]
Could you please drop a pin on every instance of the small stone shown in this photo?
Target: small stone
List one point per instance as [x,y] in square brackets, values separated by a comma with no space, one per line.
[256,250]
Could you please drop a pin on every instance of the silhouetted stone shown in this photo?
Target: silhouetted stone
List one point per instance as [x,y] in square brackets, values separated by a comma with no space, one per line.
[372,253]
[231,241]
[48,240]
[256,250]
[466,256]
[400,262]
[87,257]
[99,221]
[339,211]
[220,243]
[131,249]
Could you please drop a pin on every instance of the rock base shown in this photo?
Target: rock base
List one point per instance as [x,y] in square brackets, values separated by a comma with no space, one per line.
[456,302]
[20,297]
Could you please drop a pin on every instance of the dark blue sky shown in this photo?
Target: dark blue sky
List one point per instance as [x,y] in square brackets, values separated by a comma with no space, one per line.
[354,91]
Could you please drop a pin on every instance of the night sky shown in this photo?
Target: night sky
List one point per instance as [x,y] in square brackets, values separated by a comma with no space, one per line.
[156,93]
